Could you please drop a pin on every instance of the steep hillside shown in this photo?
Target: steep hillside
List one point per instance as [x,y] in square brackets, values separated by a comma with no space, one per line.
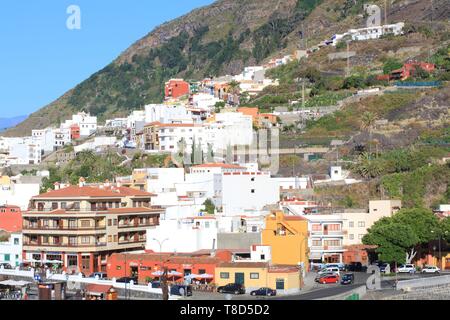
[218,39]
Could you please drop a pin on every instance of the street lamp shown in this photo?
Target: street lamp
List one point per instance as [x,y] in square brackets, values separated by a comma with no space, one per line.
[162,278]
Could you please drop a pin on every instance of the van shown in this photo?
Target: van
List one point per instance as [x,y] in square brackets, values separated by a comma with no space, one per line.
[334,270]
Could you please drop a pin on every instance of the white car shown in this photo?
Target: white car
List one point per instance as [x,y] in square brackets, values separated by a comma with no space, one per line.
[431,269]
[406,268]
[331,270]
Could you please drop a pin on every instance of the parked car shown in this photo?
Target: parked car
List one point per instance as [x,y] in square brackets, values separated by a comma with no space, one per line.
[431,269]
[100,275]
[156,285]
[234,288]
[329,270]
[348,278]
[5,266]
[356,267]
[181,290]
[334,278]
[127,280]
[264,292]
[340,266]
[384,267]
[406,268]
[323,275]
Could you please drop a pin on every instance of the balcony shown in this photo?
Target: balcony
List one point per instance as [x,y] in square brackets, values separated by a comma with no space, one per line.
[63,245]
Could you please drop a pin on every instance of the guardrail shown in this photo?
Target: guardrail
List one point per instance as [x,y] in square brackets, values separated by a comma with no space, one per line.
[437,281]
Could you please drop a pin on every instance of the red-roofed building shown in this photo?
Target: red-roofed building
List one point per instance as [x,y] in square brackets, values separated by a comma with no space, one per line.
[176,88]
[80,226]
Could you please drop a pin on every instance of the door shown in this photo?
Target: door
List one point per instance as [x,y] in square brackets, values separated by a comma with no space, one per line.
[280,284]
[134,272]
[239,278]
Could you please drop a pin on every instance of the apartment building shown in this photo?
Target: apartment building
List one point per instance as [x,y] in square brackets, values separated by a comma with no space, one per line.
[356,222]
[80,226]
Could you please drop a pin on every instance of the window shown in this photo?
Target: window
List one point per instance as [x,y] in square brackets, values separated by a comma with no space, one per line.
[253,190]
[63,205]
[54,205]
[316,243]
[316,227]
[45,239]
[254,229]
[253,179]
[16,241]
[224,275]
[85,240]
[72,241]
[201,271]
[110,238]
[254,275]
[351,224]
[85,223]
[115,222]
[109,222]
[351,236]
[115,238]
[280,284]
[263,257]
[360,236]
[361,224]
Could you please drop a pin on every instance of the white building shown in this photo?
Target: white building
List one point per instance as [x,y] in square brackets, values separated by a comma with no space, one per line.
[11,250]
[116,123]
[18,194]
[19,151]
[86,122]
[241,192]
[356,223]
[292,183]
[167,113]
[183,235]
[51,139]
[370,33]
[204,101]
[96,143]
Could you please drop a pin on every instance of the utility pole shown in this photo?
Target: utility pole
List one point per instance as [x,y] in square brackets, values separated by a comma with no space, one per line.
[303,93]
[385,11]
[348,58]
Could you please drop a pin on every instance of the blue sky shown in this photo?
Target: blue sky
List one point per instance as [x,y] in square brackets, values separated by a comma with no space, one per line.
[40,58]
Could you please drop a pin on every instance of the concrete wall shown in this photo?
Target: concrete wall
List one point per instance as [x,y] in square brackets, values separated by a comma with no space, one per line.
[237,240]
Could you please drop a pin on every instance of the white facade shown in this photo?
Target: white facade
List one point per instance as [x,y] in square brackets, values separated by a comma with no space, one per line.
[167,113]
[238,193]
[86,122]
[183,235]
[116,123]
[19,151]
[51,139]
[204,101]
[11,250]
[96,143]
[18,194]
[163,179]
[292,183]
[260,253]
[370,33]
[357,223]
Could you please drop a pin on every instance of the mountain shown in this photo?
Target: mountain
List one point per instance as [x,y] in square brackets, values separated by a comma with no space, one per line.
[6,123]
[217,39]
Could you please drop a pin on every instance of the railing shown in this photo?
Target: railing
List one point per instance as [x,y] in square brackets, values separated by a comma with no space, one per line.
[65,228]
[65,245]
[132,225]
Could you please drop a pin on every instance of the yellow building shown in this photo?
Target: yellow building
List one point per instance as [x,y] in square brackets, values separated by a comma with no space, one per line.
[255,275]
[288,238]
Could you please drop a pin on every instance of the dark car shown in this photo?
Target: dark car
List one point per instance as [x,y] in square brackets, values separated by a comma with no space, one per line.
[356,267]
[5,266]
[156,285]
[348,278]
[233,288]
[127,280]
[264,292]
[181,290]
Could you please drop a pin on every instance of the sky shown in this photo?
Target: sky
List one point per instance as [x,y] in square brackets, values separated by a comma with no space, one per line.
[41,58]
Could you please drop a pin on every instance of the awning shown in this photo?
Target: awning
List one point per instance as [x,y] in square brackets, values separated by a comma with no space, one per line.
[13,283]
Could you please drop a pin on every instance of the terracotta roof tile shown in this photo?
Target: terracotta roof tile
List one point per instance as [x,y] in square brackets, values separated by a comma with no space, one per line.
[92,192]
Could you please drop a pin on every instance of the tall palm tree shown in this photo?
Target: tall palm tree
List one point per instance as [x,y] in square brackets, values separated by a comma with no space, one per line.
[368,120]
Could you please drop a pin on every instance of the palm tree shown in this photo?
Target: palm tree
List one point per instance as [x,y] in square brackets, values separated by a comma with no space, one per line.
[368,120]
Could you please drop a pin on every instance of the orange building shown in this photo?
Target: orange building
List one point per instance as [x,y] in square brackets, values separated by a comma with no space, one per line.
[10,218]
[147,266]
[176,88]
[258,118]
